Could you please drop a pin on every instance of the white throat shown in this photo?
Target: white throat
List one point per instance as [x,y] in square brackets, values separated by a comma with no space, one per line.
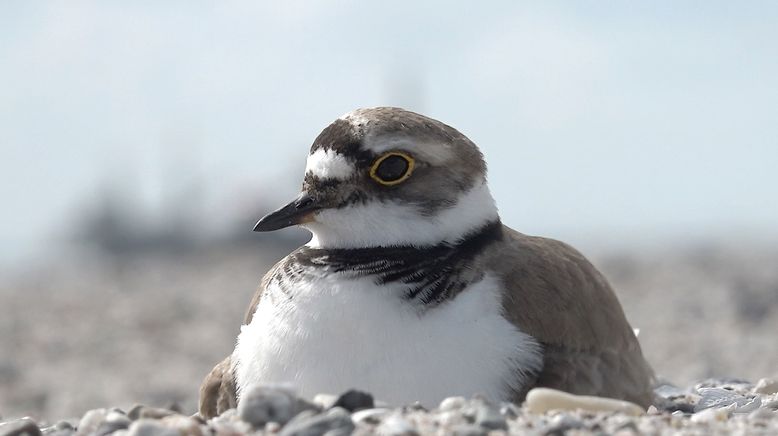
[390,223]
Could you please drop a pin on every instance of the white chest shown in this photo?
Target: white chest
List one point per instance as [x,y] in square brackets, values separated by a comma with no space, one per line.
[336,334]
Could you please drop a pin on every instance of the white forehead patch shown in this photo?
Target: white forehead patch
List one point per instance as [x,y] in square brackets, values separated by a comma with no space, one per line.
[328,164]
[355,118]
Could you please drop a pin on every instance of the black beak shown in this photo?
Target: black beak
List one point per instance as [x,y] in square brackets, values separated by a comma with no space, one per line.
[298,211]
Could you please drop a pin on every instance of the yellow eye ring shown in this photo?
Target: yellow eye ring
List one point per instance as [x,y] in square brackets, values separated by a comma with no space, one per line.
[392,174]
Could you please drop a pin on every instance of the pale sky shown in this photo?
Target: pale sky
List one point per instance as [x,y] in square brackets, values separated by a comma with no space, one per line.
[599,120]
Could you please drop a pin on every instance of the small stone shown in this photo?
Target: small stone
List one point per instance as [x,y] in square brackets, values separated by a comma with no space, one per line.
[416,406]
[669,391]
[184,424]
[451,418]
[229,423]
[63,432]
[64,425]
[140,411]
[509,410]
[113,421]
[263,404]
[711,415]
[396,425]
[91,421]
[325,401]
[307,423]
[762,415]
[766,386]
[562,422]
[369,416]
[354,400]
[20,427]
[489,418]
[150,427]
[467,430]
[60,428]
[452,403]
[541,400]
[771,405]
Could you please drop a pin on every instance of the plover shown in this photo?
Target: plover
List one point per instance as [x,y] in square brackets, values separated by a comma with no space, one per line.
[412,288]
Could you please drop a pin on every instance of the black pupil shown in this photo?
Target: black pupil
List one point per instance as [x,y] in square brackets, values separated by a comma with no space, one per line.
[392,168]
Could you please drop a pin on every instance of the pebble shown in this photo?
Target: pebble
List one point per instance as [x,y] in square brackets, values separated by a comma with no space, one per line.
[717,397]
[452,403]
[771,405]
[369,416]
[325,401]
[766,386]
[150,427]
[263,404]
[509,410]
[139,411]
[61,428]
[229,423]
[183,424]
[113,421]
[308,423]
[712,415]
[762,415]
[20,427]
[489,418]
[354,400]
[541,400]
[562,422]
[669,391]
[468,430]
[396,425]
[91,421]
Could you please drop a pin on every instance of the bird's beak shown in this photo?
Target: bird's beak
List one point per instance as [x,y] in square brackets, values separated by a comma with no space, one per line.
[298,211]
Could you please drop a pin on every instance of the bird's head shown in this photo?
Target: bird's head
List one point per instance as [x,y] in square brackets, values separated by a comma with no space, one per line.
[387,177]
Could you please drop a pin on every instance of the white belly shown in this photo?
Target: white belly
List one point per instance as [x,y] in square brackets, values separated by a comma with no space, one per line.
[337,334]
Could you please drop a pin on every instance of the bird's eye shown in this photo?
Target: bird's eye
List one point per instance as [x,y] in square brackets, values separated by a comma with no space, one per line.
[392,168]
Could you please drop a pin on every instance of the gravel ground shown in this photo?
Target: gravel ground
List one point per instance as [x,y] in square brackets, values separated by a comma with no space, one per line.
[86,332]
[712,407]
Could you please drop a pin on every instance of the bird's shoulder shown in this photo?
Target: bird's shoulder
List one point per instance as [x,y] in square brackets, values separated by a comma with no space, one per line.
[556,295]
[286,262]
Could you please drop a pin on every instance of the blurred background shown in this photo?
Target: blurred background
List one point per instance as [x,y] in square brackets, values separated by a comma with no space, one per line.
[140,142]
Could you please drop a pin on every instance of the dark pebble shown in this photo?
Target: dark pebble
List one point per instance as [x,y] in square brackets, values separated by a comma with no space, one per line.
[20,427]
[354,400]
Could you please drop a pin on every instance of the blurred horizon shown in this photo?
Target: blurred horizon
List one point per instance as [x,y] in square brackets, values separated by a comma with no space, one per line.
[601,123]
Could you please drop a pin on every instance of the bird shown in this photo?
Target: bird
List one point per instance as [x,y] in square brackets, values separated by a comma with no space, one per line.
[413,289]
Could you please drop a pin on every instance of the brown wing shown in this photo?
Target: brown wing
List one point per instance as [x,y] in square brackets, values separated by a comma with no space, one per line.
[560,298]
[217,392]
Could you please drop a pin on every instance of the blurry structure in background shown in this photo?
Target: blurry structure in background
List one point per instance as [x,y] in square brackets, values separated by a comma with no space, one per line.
[139,144]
